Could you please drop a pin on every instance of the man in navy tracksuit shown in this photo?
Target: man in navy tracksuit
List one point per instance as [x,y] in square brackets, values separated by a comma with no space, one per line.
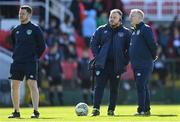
[142,52]
[28,46]
[109,45]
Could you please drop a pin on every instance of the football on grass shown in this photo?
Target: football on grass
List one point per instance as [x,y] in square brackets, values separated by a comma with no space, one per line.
[81,109]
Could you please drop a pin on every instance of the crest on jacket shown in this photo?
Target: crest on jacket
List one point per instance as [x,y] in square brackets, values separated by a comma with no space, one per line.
[29,32]
[120,34]
[105,31]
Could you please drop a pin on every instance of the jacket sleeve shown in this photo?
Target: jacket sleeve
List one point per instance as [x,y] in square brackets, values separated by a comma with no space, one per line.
[40,44]
[128,38]
[13,38]
[95,42]
[150,41]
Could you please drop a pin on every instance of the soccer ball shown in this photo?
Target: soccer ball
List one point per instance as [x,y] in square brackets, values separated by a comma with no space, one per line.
[81,109]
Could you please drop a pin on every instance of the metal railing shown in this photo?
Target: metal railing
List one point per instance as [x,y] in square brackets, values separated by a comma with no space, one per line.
[158,10]
[56,8]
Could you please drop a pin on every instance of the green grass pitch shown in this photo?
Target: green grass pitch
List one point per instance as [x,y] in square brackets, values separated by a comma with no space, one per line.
[160,113]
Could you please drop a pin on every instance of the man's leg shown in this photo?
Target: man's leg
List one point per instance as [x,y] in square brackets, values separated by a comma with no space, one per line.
[15,84]
[114,85]
[101,80]
[142,77]
[59,88]
[141,91]
[34,96]
[85,95]
[60,94]
[147,100]
[34,93]
[51,94]
[16,77]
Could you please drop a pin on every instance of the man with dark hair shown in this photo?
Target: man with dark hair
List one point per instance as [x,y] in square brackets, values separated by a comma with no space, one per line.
[109,45]
[142,52]
[28,46]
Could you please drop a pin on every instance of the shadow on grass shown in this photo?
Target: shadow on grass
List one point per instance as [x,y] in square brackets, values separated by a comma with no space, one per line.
[158,115]
[165,115]
[41,118]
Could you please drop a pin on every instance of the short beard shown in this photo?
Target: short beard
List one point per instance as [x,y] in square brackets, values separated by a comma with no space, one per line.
[24,21]
[115,26]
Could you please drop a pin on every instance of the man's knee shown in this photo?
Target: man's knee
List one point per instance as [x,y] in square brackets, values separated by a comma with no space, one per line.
[60,88]
[100,83]
[15,84]
[141,86]
[32,84]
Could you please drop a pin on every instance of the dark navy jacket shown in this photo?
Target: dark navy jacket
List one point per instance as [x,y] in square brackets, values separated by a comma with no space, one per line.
[142,49]
[101,41]
[28,43]
[53,60]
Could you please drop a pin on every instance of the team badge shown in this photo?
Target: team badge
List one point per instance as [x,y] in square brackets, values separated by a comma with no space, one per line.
[98,73]
[138,32]
[29,32]
[120,34]
[17,32]
[105,31]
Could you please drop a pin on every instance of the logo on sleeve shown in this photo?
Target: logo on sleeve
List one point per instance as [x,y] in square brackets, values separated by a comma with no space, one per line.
[29,32]
[117,76]
[17,32]
[138,32]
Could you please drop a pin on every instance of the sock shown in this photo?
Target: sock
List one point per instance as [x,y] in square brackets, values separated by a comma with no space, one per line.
[60,95]
[51,98]
[85,97]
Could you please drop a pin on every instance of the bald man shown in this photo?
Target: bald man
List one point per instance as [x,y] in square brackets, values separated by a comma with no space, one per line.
[142,52]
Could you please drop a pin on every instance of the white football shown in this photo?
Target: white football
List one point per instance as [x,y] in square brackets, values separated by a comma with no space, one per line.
[81,109]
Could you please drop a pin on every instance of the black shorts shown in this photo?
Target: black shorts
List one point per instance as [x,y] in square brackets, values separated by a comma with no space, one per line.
[27,70]
[55,81]
[86,84]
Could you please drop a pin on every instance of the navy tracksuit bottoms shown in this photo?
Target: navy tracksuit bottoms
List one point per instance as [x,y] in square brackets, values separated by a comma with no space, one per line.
[101,81]
[142,76]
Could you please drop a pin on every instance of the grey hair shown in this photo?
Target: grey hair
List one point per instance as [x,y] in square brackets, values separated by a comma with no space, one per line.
[139,12]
